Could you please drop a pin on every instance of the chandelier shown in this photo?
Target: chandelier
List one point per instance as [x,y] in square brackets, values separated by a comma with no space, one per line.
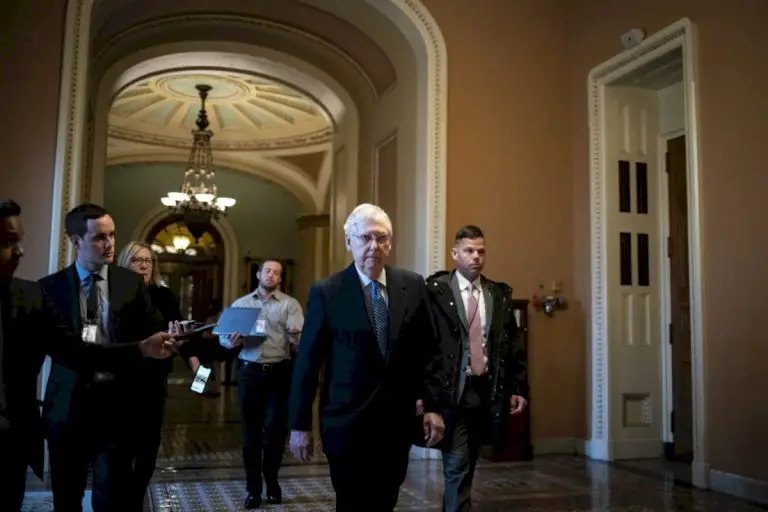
[198,201]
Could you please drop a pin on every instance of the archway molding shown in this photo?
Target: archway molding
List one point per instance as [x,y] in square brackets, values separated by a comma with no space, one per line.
[412,19]
[246,59]
[231,288]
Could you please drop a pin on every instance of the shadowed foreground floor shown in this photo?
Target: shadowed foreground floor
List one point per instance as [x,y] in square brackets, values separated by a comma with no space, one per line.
[200,469]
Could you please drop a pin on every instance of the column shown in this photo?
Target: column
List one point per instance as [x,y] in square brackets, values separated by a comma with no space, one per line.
[313,253]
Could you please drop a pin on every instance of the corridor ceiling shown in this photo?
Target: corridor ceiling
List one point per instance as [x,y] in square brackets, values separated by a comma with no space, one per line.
[244,112]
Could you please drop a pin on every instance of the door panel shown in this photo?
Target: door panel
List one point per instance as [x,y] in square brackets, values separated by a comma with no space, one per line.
[682,427]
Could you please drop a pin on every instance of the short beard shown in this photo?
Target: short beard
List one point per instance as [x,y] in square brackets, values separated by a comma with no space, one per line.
[269,289]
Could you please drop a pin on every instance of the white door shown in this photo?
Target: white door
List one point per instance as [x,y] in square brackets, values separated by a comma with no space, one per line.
[633,259]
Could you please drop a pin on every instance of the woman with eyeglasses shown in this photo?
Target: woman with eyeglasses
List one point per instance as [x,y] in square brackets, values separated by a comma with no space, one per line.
[151,391]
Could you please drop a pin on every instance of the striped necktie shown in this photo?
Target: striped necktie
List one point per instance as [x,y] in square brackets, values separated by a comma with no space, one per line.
[380,317]
[92,297]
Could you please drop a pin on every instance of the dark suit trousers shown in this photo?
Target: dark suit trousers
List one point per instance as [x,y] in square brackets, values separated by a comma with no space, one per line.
[264,391]
[147,436]
[463,446]
[13,470]
[96,437]
[357,487]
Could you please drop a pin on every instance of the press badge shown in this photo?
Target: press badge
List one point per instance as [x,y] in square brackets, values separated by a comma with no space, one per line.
[89,333]
[201,379]
[261,327]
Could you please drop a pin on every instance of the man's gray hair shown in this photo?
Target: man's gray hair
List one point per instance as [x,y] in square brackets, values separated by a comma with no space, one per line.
[364,214]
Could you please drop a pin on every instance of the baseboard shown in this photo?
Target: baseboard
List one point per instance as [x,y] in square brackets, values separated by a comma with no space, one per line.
[597,449]
[741,486]
[602,449]
[700,474]
[637,449]
[552,445]
[420,453]
[669,451]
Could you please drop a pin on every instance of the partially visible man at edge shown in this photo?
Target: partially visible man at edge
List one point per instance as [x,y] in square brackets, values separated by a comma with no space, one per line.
[30,328]
[88,415]
[483,364]
[369,325]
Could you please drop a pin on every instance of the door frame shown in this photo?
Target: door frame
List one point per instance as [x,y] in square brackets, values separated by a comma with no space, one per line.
[679,35]
[665,312]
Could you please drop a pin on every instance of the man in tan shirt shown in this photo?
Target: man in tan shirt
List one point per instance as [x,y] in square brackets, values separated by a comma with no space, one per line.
[265,380]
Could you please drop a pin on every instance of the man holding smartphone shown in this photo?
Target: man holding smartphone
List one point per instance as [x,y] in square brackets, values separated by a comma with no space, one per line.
[264,382]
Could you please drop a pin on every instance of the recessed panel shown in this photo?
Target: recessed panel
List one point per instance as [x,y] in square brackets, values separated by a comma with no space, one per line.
[641,319]
[624,187]
[627,311]
[641,187]
[636,409]
[625,256]
[643,260]
[626,129]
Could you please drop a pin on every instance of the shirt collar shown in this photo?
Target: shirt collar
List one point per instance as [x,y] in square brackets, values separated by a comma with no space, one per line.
[365,280]
[82,273]
[464,282]
[276,295]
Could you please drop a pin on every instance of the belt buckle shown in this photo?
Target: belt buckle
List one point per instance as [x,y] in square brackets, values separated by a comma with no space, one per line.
[266,366]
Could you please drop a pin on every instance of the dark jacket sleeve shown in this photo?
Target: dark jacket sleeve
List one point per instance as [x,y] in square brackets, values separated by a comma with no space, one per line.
[65,345]
[435,399]
[167,306]
[148,310]
[313,347]
[516,368]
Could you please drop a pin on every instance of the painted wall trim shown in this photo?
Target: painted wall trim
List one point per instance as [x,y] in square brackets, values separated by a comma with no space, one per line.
[747,488]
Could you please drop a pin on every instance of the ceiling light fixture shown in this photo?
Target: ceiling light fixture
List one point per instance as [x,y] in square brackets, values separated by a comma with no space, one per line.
[198,201]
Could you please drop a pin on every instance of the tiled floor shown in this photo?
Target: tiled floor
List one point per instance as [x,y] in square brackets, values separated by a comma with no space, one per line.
[200,469]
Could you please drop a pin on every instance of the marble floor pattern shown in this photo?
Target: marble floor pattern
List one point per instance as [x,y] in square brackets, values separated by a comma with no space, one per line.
[200,469]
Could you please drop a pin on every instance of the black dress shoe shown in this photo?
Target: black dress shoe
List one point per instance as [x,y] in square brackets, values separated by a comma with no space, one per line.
[252,502]
[274,494]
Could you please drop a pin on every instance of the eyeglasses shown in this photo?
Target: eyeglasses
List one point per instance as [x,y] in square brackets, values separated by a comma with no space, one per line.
[366,239]
[139,261]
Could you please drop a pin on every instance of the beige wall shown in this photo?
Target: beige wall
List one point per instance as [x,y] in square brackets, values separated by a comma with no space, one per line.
[509,172]
[518,121]
[517,166]
[31,33]
[733,73]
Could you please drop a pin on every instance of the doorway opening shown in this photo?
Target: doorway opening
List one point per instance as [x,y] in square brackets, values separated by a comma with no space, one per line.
[647,366]
[193,268]
[678,445]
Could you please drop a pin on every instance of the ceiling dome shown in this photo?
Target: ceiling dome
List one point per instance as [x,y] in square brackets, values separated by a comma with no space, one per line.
[245,112]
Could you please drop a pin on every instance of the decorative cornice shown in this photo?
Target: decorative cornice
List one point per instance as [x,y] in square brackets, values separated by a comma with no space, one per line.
[322,220]
[317,137]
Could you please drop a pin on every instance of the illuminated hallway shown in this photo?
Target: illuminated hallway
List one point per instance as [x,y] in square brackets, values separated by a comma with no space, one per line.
[200,469]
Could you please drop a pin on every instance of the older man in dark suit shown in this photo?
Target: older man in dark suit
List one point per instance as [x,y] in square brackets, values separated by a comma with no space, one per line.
[88,415]
[485,372]
[369,326]
[29,328]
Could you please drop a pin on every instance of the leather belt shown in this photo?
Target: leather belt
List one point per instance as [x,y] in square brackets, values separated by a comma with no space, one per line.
[264,367]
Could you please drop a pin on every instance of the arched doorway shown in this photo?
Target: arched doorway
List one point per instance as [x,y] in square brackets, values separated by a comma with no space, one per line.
[388,98]
[191,266]
[418,86]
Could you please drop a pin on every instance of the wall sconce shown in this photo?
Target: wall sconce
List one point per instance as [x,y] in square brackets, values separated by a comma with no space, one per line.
[549,303]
